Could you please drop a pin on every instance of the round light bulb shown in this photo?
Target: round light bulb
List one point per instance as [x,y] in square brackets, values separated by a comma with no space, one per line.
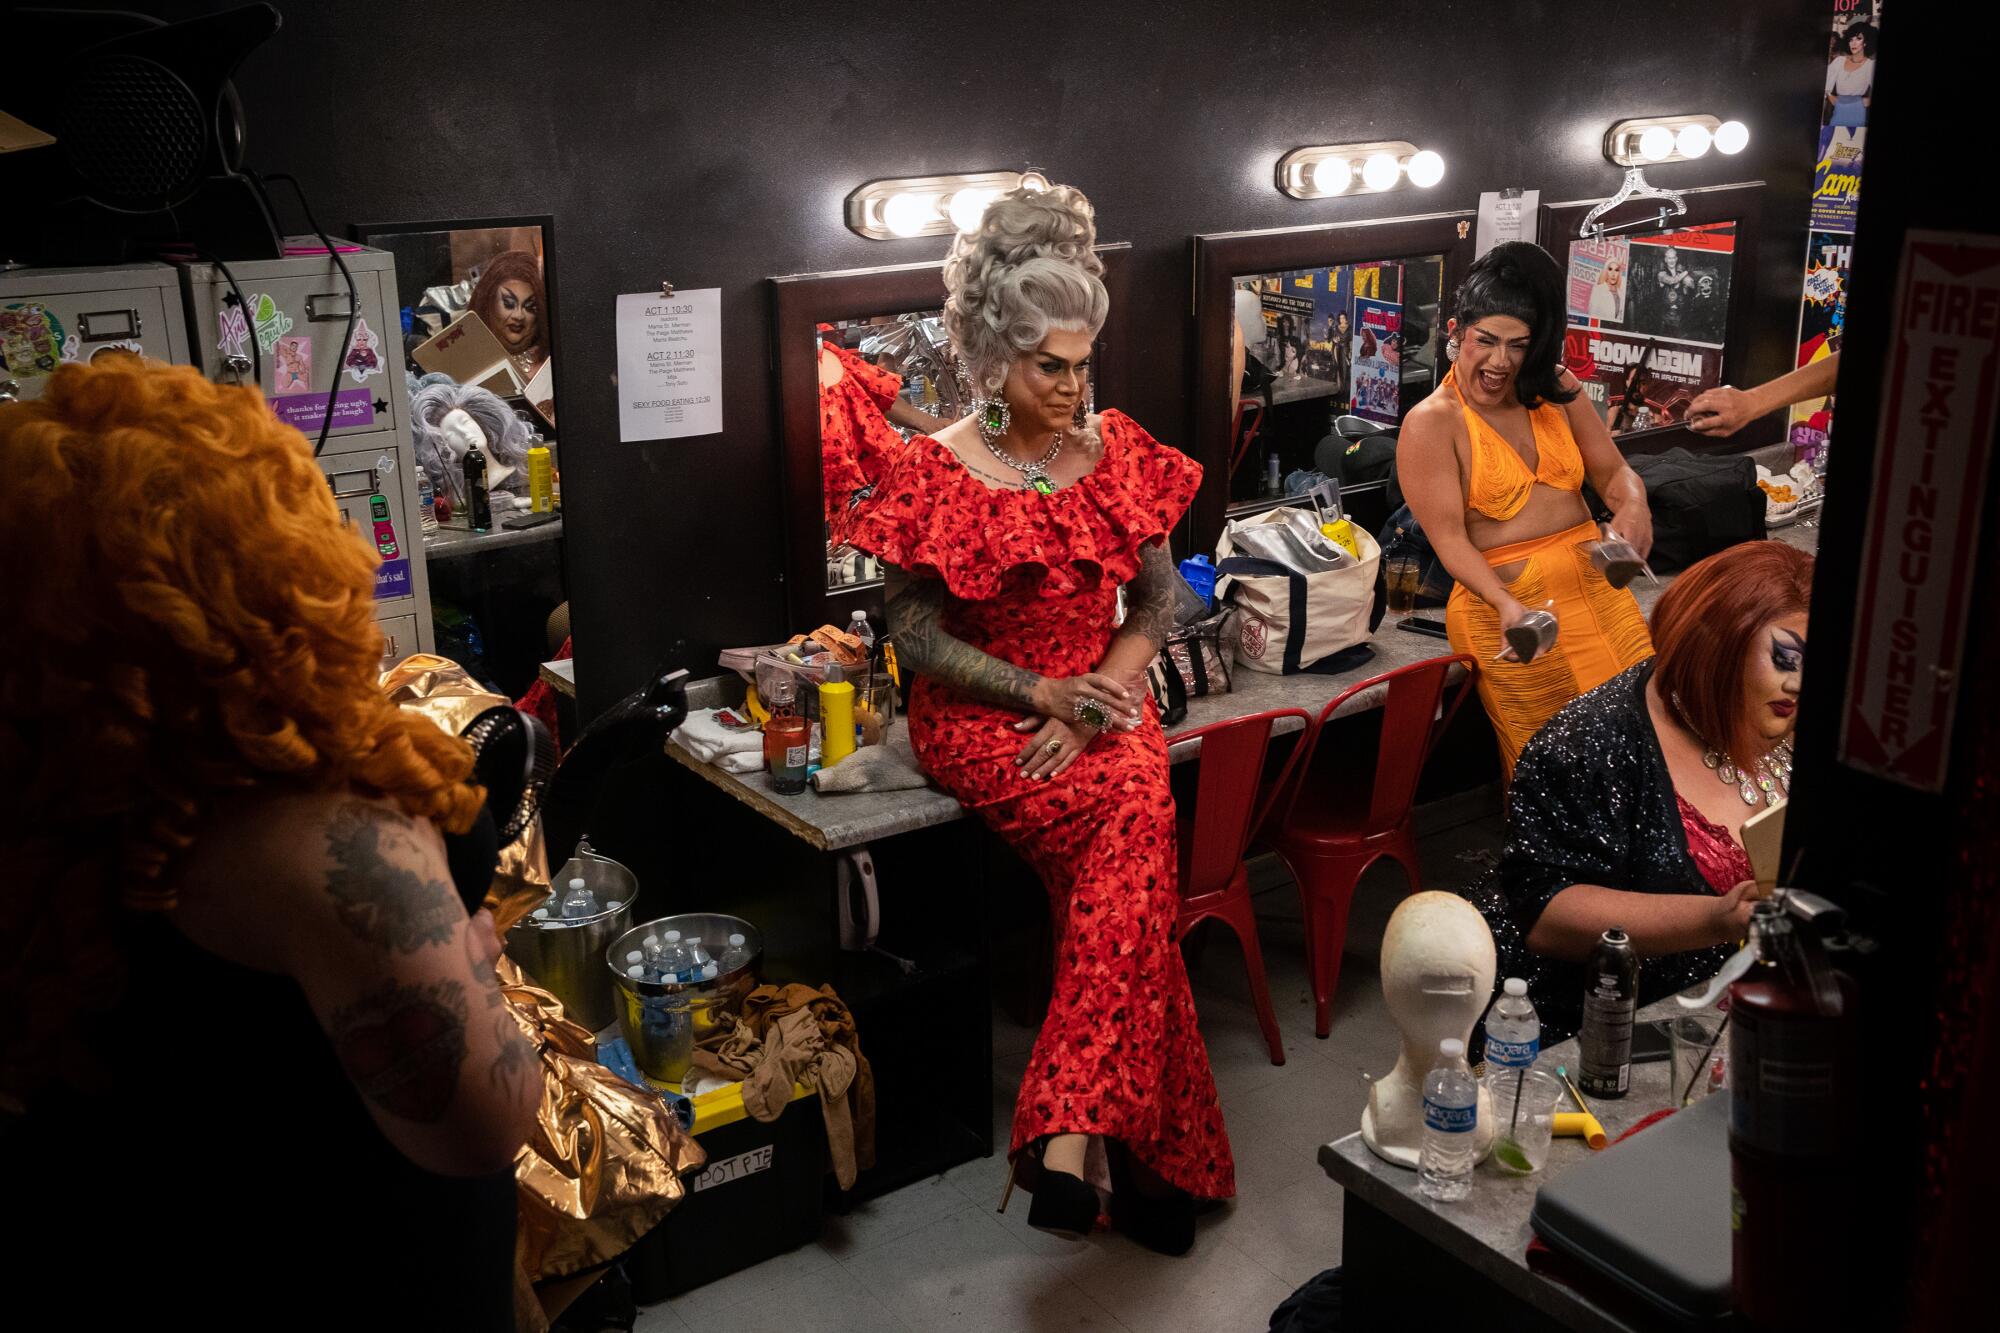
[1693,140]
[968,207]
[1332,175]
[1426,169]
[1380,172]
[908,214]
[1654,145]
[1732,136]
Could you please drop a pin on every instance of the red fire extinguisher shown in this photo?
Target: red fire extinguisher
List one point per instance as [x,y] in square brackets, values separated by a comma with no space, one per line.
[1790,1131]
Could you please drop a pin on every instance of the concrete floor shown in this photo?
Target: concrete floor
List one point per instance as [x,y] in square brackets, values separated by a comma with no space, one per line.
[936,1255]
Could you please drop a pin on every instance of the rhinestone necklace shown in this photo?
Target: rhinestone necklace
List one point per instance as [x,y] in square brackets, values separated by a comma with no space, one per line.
[1034,475]
[1769,783]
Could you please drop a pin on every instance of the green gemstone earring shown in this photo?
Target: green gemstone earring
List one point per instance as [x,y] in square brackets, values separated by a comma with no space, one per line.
[994,418]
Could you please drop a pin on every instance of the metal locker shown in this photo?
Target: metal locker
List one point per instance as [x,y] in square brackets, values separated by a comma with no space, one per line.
[50,317]
[295,312]
[381,506]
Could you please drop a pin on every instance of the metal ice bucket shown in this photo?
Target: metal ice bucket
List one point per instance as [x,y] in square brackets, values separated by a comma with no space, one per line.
[565,955]
[663,1021]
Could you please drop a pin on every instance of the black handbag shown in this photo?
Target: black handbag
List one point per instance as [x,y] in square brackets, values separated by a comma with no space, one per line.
[1701,503]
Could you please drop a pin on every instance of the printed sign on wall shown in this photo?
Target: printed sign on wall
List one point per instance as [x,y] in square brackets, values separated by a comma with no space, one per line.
[1939,386]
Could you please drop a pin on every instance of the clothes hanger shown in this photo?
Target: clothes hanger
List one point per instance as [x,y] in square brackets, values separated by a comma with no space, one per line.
[1636,186]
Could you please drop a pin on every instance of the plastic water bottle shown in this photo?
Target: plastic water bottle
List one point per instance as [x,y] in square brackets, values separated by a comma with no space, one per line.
[579,900]
[426,503]
[698,957]
[737,954]
[671,957]
[1513,1034]
[1451,1114]
[859,627]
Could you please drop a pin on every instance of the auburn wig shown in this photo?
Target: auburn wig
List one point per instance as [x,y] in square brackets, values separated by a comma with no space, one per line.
[512,266]
[1703,627]
[187,615]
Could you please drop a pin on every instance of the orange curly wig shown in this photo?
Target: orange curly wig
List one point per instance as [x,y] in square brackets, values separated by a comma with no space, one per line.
[187,614]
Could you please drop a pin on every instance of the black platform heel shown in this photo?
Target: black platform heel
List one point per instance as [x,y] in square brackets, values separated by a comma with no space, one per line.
[1064,1205]
[1163,1224]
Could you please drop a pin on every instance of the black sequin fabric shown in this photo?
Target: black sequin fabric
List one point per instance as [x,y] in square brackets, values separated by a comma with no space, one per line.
[1591,803]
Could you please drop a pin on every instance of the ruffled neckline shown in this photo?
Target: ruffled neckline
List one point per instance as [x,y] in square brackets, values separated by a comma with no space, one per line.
[935,519]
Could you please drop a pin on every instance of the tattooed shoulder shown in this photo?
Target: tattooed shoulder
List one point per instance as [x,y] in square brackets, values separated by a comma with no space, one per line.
[380,883]
[404,1046]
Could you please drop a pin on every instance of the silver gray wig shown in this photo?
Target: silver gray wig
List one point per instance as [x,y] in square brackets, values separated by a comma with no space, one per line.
[1028,269]
[434,395]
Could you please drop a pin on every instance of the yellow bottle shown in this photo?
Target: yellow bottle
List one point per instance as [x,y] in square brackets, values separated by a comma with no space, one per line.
[836,722]
[1341,533]
[540,480]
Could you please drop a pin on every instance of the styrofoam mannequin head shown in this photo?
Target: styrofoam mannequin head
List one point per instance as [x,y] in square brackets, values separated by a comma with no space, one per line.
[1437,975]
[1437,968]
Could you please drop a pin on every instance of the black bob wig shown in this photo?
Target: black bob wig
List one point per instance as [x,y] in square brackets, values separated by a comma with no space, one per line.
[1522,280]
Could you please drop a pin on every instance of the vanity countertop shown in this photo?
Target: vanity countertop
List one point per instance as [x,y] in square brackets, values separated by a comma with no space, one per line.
[832,823]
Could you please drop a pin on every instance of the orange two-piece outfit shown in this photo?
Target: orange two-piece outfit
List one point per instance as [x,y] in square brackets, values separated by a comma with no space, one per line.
[1600,630]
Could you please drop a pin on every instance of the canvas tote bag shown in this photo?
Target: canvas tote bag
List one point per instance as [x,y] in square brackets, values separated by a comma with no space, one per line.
[1289,620]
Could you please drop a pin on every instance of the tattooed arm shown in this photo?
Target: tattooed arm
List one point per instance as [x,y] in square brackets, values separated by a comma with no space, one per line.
[403,985]
[916,619]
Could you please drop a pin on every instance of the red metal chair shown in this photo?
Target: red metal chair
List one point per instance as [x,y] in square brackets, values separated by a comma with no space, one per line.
[1214,835]
[1330,831]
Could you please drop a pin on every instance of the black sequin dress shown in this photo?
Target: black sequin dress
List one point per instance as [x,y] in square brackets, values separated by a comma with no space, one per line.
[1591,803]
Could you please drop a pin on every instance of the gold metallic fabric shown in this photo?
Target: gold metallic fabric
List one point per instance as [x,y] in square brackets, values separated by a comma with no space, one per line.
[605,1161]
[603,1165]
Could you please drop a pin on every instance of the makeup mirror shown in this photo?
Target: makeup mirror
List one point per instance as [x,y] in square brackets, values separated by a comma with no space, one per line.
[1659,311]
[1339,331]
[863,365]
[497,269]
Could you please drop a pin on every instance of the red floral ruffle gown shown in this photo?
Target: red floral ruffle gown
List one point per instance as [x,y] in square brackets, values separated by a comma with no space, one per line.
[1033,580]
[856,442]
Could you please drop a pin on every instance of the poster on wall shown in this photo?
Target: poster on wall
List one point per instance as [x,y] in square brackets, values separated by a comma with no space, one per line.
[1821,316]
[1836,196]
[1850,62]
[1640,383]
[1679,283]
[1597,286]
[1378,360]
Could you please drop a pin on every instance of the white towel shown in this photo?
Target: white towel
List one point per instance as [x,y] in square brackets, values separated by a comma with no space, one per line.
[708,740]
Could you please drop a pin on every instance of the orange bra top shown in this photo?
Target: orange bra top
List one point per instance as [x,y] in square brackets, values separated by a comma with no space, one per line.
[1501,480]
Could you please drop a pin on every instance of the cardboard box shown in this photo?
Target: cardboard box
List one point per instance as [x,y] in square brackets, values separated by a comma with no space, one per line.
[469,352]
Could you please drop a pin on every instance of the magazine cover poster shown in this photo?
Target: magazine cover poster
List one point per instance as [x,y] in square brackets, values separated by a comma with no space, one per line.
[1836,197]
[1821,315]
[1680,284]
[1640,383]
[1850,62]
[1378,360]
[1597,280]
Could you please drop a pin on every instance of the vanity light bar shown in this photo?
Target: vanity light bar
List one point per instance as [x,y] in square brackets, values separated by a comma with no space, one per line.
[1325,171]
[895,210]
[1652,140]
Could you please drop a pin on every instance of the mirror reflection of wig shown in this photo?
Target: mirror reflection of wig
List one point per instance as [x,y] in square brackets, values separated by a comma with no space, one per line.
[1522,281]
[1705,626]
[508,296]
[201,622]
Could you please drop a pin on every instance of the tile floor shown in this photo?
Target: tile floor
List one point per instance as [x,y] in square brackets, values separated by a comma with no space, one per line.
[935,1255]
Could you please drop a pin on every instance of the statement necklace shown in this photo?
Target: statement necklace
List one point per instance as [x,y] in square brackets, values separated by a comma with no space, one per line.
[1769,783]
[1035,475]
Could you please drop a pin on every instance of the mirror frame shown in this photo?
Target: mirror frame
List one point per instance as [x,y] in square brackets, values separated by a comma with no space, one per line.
[800,303]
[1221,258]
[1741,203]
[367,232]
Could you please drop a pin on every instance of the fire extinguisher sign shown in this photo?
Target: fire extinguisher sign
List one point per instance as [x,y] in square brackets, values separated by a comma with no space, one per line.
[1936,434]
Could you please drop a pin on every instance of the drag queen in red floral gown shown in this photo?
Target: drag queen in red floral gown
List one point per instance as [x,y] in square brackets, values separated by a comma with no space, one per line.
[1009,534]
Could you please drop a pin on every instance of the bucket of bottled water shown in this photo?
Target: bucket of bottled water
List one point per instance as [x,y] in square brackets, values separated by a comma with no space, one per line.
[678,980]
[560,945]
